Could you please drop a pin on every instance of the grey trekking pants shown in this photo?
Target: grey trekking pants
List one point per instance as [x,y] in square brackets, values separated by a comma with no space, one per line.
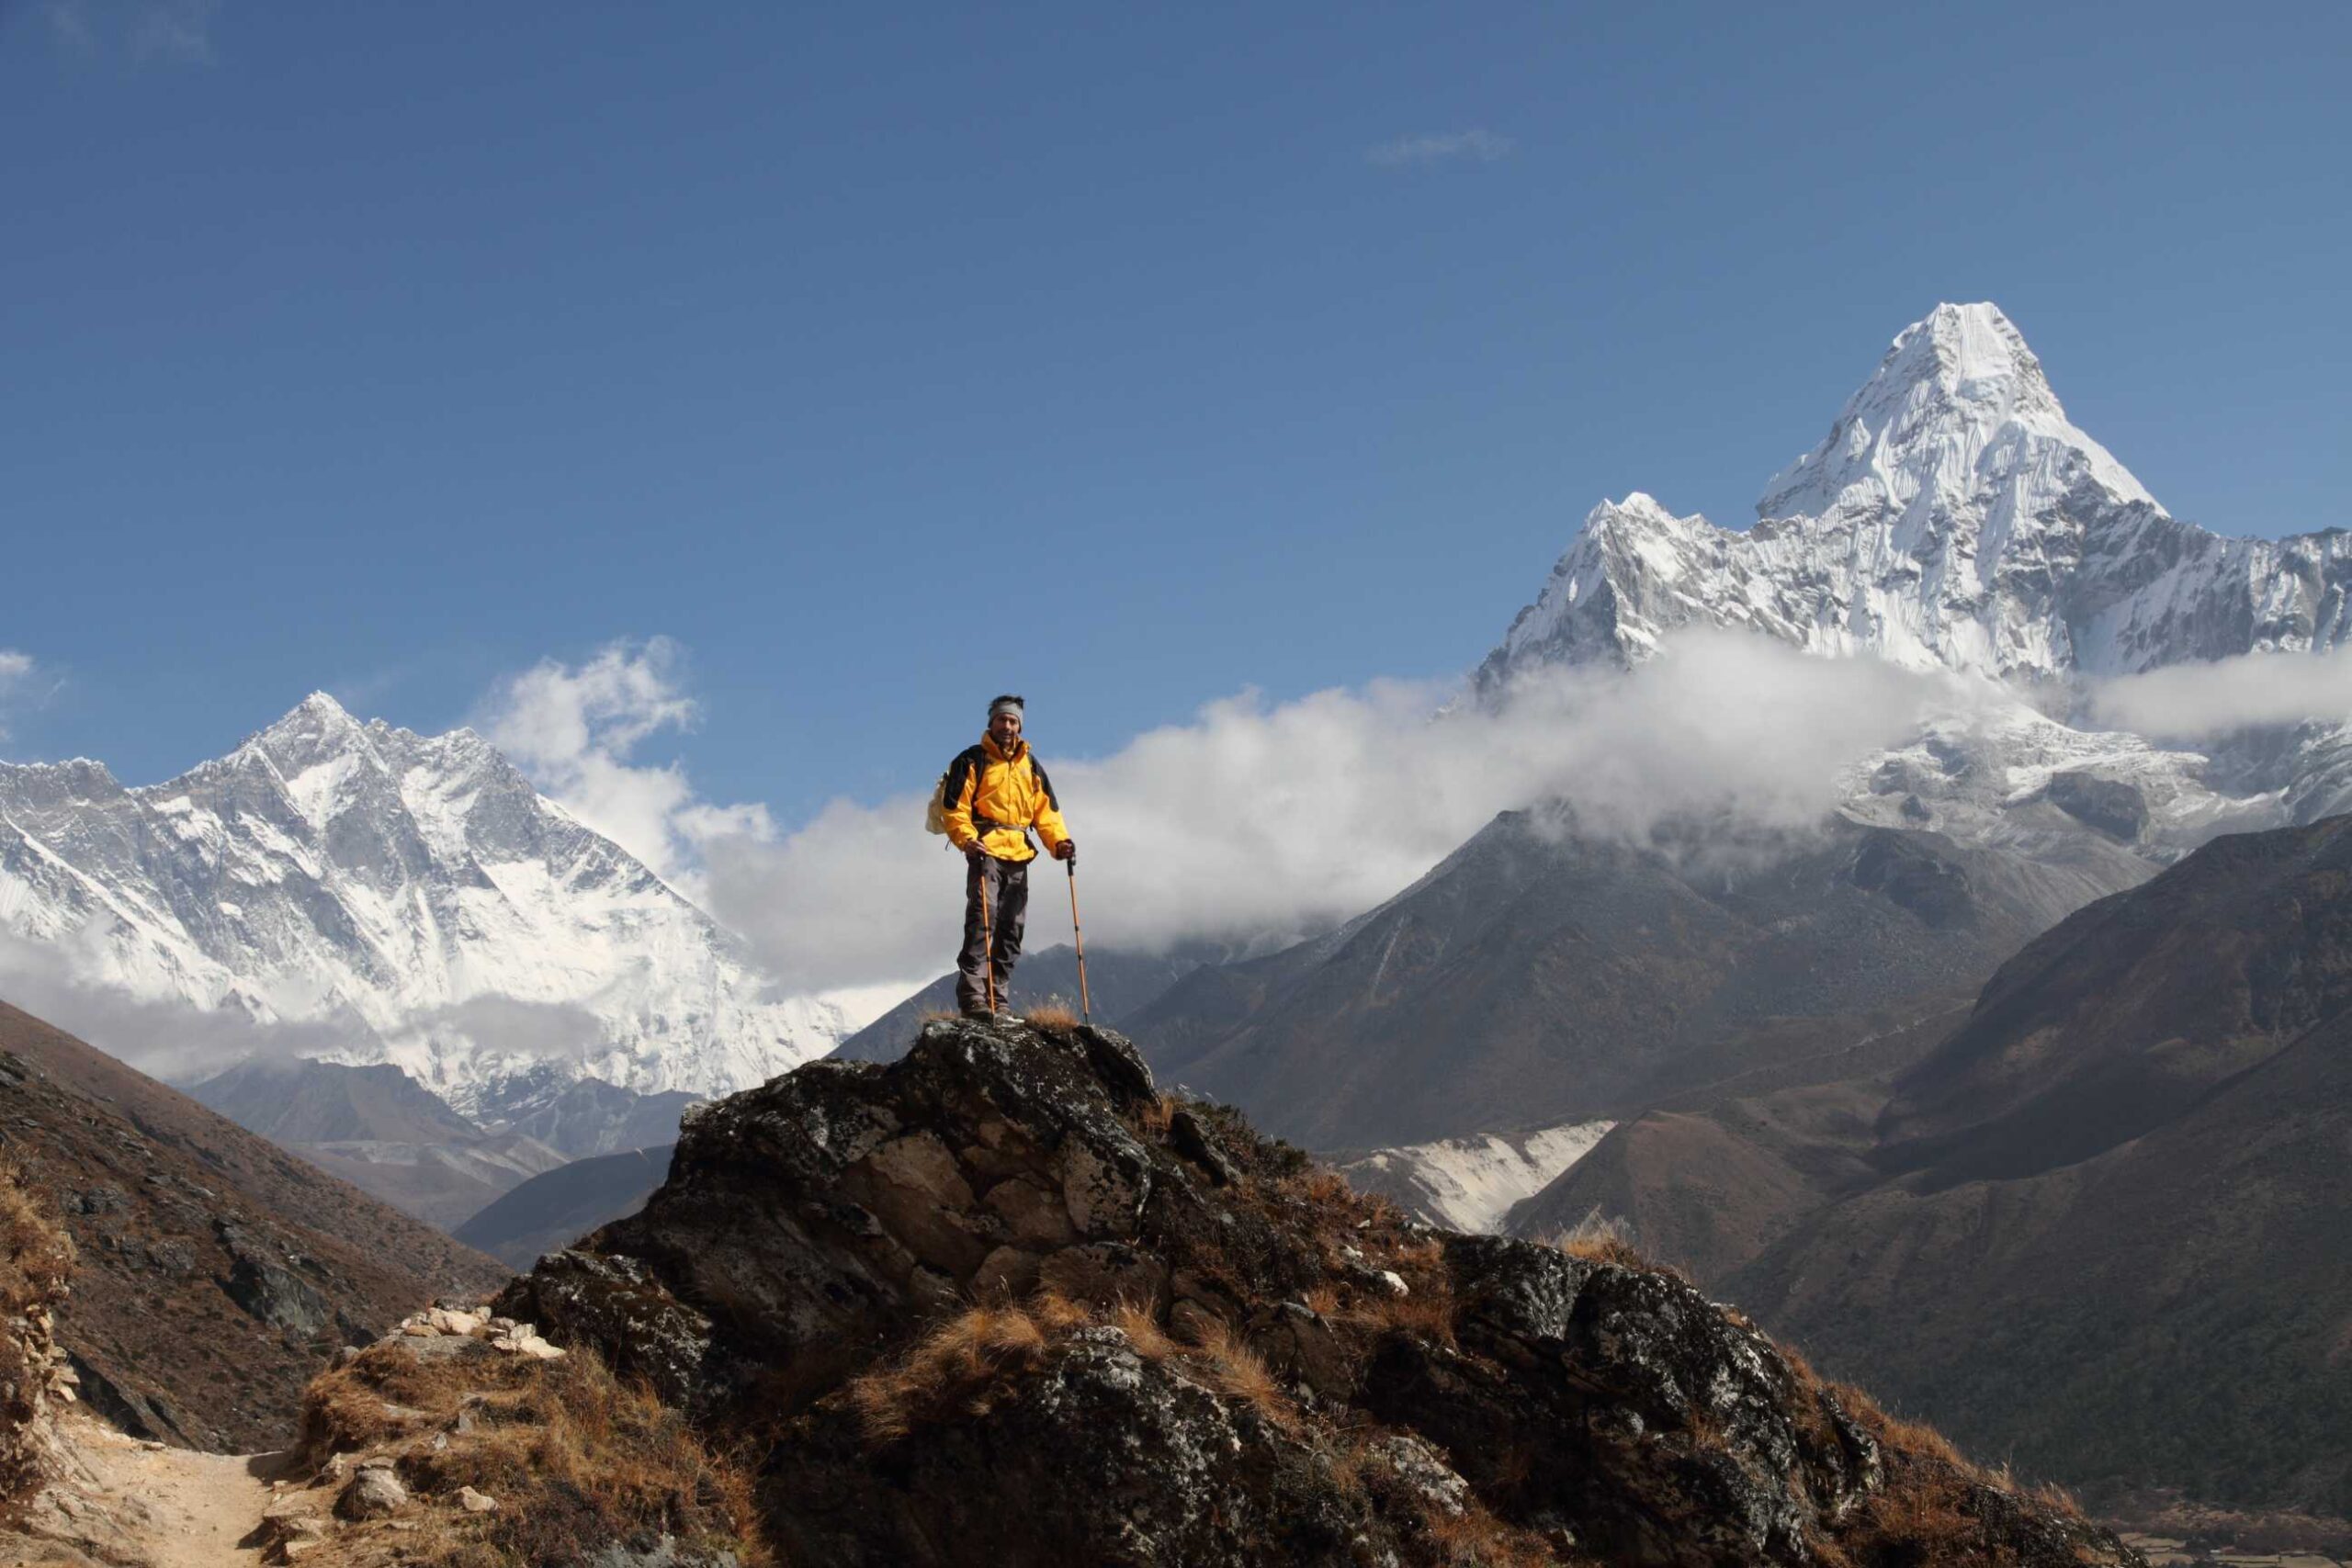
[991,928]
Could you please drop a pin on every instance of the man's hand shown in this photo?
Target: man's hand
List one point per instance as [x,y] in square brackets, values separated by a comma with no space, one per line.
[973,852]
[1065,850]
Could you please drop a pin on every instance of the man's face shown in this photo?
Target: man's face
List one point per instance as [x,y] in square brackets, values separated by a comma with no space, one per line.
[1006,727]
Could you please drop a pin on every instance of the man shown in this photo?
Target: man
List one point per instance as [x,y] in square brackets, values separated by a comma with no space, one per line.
[994,794]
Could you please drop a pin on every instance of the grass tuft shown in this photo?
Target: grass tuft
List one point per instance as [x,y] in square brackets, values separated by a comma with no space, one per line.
[1597,1238]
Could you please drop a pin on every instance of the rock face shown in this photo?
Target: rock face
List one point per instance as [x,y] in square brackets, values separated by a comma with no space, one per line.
[1002,1303]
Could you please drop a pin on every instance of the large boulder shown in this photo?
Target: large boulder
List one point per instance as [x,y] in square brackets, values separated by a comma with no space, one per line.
[1002,1302]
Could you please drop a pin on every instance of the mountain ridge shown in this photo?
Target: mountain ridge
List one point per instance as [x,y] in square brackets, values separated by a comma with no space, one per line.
[1952,518]
[409,898]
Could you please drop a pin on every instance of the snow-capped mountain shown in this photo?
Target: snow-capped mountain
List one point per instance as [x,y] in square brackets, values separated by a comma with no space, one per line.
[1953,517]
[413,896]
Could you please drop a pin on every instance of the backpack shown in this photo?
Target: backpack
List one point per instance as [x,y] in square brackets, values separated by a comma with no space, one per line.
[934,815]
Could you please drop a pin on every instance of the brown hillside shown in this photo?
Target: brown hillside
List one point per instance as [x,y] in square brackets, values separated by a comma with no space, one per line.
[216,1269]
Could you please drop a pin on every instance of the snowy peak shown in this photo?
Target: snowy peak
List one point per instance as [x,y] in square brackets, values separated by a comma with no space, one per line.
[1952,519]
[414,896]
[1958,412]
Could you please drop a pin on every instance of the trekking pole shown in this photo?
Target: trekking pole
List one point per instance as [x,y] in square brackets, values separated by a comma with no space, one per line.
[987,939]
[1085,1005]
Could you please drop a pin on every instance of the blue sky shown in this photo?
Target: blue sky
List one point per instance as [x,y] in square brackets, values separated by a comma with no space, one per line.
[888,357]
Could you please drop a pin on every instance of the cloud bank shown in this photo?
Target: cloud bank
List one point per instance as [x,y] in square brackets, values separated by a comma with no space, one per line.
[1261,820]
[2246,692]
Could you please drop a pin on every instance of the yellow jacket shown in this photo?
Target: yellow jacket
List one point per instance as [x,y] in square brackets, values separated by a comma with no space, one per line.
[1009,792]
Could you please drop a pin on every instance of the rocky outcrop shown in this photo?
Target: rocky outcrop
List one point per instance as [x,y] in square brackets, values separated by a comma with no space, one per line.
[1002,1303]
[2111,806]
[36,1263]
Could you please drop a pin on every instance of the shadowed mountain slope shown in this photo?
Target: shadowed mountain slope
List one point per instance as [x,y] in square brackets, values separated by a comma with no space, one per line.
[215,1269]
[2099,1226]
[1539,978]
[2137,1007]
[379,1130]
[553,1209]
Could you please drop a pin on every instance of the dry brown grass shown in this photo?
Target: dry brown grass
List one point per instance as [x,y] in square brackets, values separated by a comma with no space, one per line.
[1143,1331]
[36,1255]
[1424,1315]
[1055,1015]
[1240,1372]
[969,1361]
[576,1458]
[1476,1538]
[1599,1238]
[963,1364]
[1907,1438]
[1323,1301]
[1324,1189]
[1929,1509]
[1153,1118]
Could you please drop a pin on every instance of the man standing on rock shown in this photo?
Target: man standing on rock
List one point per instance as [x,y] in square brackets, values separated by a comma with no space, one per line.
[993,794]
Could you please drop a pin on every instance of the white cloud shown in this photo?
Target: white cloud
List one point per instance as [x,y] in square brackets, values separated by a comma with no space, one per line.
[178,31]
[2250,689]
[175,29]
[169,1039]
[575,731]
[1477,144]
[1259,820]
[16,674]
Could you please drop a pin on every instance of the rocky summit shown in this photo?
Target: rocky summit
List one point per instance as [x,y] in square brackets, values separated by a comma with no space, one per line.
[1002,1301]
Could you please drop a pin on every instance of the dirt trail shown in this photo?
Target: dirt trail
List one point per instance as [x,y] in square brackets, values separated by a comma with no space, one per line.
[124,1501]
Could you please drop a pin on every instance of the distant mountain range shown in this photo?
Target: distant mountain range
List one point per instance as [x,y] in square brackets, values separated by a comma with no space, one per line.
[376,1128]
[412,897]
